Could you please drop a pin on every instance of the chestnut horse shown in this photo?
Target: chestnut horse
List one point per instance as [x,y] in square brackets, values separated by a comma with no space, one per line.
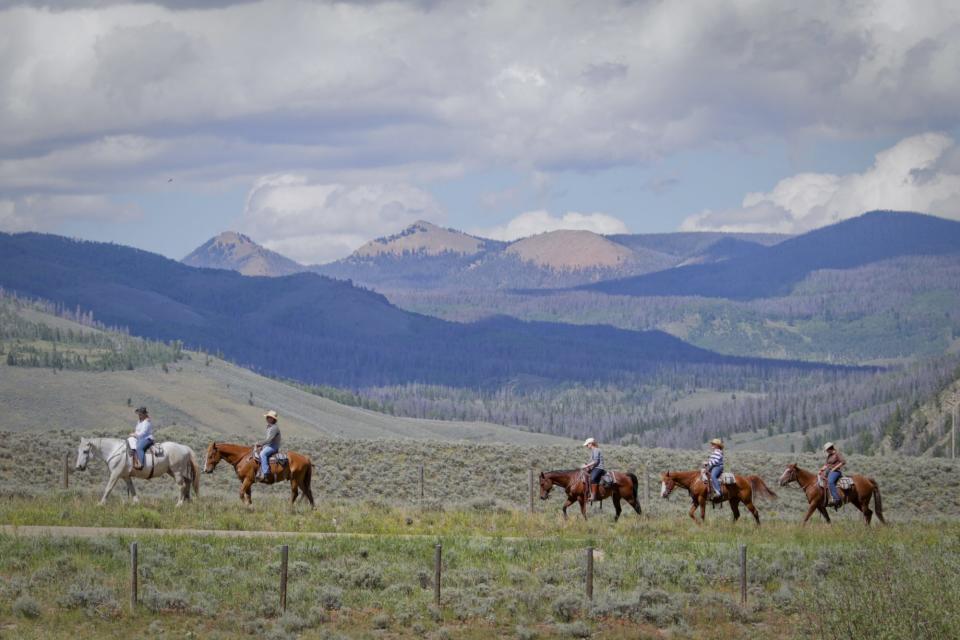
[577,486]
[742,491]
[858,495]
[298,471]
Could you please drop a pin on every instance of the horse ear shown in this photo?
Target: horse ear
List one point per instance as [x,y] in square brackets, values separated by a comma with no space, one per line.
[541,475]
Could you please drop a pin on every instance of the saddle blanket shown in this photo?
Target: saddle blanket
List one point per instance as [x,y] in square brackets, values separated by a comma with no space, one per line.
[608,479]
[277,458]
[725,477]
[154,448]
[845,482]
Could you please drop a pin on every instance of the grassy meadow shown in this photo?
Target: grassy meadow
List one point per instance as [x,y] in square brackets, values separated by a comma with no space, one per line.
[506,572]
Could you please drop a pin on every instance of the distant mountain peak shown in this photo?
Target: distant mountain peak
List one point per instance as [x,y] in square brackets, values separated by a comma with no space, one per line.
[422,237]
[568,250]
[235,251]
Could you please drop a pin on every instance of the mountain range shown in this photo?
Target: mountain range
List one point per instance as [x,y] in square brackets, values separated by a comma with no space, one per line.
[425,256]
[321,330]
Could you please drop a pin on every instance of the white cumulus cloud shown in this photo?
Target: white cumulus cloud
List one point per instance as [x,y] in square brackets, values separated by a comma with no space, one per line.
[534,222]
[916,174]
[315,222]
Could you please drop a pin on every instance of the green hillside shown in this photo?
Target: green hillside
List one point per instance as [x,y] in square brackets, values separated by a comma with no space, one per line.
[181,388]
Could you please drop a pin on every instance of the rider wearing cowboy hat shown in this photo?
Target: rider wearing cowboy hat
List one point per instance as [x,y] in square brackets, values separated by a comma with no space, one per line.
[595,467]
[835,462]
[270,444]
[714,466]
[144,435]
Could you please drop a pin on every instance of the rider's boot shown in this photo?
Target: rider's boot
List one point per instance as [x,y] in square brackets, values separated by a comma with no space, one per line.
[136,462]
[594,488]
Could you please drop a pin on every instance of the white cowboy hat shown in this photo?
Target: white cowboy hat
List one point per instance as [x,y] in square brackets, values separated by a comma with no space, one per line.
[828,446]
[589,441]
[271,414]
[718,442]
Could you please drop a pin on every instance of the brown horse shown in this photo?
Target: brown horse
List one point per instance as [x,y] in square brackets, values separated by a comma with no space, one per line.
[742,491]
[577,486]
[859,495]
[298,471]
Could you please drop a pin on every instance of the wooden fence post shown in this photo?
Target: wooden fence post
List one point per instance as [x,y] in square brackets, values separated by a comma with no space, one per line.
[530,482]
[421,483]
[437,557]
[133,577]
[743,574]
[590,573]
[284,553]
[66,471]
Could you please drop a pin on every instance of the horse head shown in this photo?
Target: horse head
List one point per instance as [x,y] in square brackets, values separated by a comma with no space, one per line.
[83,453]
[213,457]
[667,484]
[546,484]
[789,474]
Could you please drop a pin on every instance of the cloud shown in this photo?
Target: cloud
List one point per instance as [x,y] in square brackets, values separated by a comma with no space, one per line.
[534,222]
[315,222]
[919,173]
[49,212]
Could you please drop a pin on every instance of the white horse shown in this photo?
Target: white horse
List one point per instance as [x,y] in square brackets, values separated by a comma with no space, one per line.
[177,460]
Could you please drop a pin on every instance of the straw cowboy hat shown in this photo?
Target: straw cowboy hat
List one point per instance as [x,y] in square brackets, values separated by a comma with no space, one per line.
[828,446]
[589,441]
[271,414]
[717,442]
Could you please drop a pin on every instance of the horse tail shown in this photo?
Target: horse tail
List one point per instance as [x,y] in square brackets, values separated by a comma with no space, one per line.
[196,474]
[308,474]
[877,500]
[760,488]
[636,485]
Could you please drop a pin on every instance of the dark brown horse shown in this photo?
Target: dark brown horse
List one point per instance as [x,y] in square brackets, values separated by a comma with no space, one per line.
[858,495]
[299,470]
[743,491]
[577,485]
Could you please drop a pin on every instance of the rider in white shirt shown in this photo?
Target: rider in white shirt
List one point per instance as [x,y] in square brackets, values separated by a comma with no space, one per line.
[144,435]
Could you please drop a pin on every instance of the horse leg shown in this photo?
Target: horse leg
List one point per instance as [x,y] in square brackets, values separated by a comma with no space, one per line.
[111,483]
[813,507]
[565,505]
[307,491]
[753,510]
[633,503]
[823,512]
[245,496]
[583,506]
[616,505]
[735,508]
[294,491]
[867,513]
[132,491]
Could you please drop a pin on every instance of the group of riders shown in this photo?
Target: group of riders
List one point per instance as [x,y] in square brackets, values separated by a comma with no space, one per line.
[831,471]
[263,449]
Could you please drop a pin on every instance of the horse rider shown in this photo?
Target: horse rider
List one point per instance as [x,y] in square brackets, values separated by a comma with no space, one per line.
[269,445]
[595,467]
[714,467]
[144,435]
[832,469]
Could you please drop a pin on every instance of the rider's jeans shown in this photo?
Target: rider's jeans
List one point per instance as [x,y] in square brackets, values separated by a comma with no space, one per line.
[142,444]
[715,477]
[265,454]
[832,482]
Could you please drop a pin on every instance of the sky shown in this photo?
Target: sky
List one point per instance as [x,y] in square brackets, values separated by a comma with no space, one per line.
[316,126]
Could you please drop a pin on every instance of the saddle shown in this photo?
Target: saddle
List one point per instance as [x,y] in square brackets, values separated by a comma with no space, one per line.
[153,448]
[608,480]
[725,478]
[279,458]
